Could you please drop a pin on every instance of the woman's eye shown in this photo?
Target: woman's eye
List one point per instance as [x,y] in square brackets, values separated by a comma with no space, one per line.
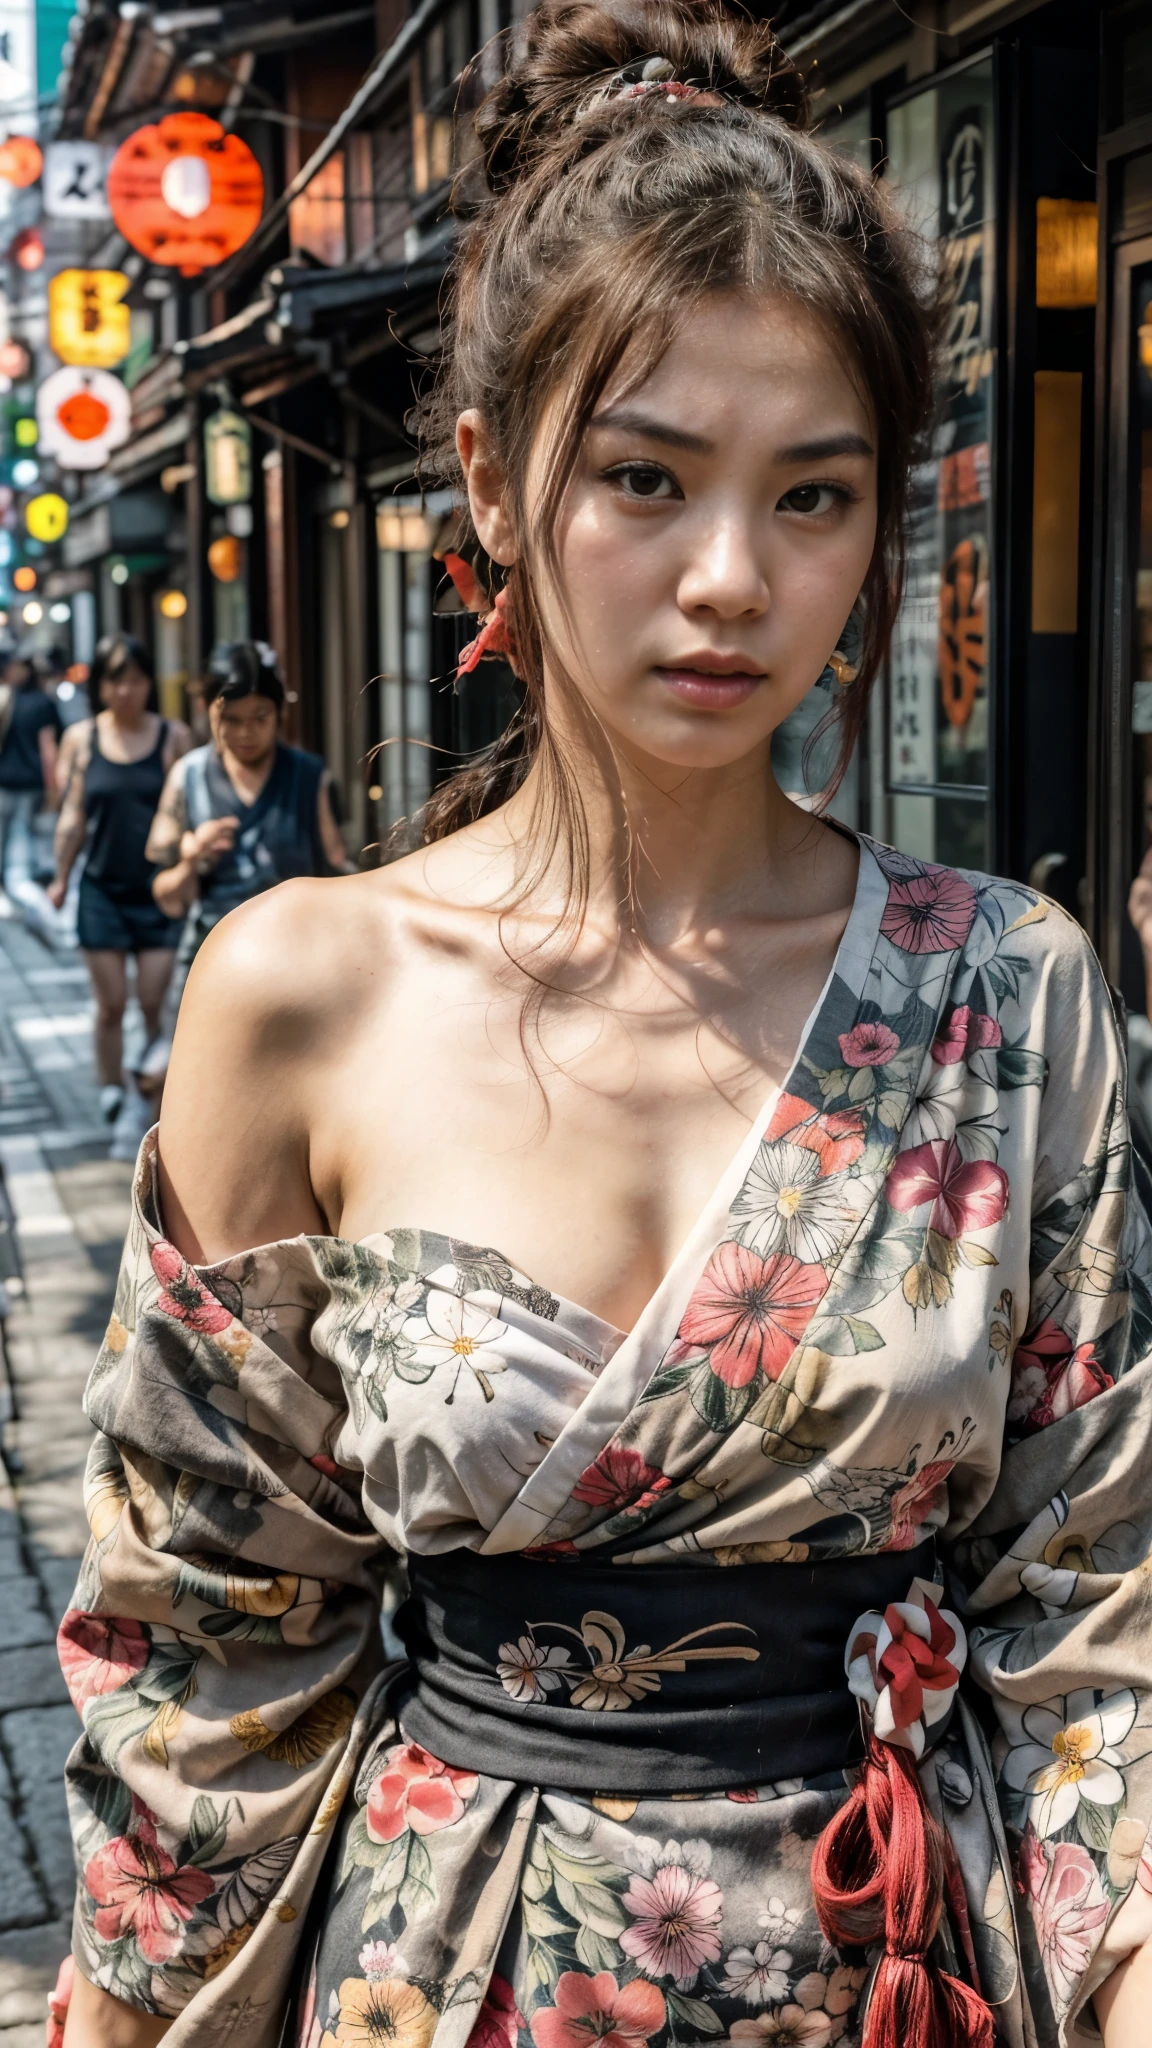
[644,480]
[812,498]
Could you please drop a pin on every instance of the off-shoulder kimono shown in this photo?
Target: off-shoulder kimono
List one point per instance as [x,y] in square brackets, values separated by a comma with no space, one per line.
[920,1300]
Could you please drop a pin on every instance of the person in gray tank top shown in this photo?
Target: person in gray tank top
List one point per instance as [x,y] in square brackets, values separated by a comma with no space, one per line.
[243,812]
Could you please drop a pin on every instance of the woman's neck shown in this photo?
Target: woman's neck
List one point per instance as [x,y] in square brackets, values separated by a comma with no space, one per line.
[674,851]
[135,725]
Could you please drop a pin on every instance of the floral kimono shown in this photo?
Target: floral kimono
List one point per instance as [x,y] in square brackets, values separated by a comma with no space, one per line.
[917,1306]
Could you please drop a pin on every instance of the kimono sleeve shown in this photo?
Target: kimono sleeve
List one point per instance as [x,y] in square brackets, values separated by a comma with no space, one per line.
[1058,1563]
[224,1642]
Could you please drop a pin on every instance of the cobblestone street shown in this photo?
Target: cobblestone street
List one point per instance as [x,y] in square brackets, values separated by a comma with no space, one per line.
[71,1203]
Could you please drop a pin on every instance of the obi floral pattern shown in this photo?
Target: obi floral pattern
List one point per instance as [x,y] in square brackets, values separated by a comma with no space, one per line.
[919,1303]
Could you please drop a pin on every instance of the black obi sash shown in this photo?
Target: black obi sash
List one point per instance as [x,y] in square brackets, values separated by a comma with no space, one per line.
[630,1679]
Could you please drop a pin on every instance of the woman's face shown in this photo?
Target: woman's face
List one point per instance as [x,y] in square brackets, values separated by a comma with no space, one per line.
[126,693]
[717,531]
[247,726]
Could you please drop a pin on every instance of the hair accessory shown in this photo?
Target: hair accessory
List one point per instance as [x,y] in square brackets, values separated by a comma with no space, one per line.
[493,635]
[657,76]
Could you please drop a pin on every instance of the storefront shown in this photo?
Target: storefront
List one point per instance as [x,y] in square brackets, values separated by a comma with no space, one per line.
[1013,728]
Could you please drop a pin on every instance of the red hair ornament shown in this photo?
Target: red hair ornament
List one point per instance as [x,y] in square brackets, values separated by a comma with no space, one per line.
[882,1866]
[493,635]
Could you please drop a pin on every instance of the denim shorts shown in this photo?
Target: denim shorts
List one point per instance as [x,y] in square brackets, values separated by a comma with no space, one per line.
[118,924]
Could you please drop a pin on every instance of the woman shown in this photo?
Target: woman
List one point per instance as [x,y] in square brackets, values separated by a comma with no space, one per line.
[30,729]
[650,1187]
[112,771]
[244,812]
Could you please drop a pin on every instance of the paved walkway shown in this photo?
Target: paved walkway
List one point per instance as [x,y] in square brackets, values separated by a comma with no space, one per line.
[71,1204]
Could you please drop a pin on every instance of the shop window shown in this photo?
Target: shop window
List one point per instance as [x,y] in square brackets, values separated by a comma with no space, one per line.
[930,738]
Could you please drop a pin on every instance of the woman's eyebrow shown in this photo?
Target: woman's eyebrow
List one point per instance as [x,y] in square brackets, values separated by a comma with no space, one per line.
[630,422]
[825,449]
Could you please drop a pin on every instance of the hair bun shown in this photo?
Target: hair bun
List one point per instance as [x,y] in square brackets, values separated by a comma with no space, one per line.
[571,50]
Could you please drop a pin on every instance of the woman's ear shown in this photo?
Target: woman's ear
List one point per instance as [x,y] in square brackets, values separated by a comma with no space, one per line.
[485,481]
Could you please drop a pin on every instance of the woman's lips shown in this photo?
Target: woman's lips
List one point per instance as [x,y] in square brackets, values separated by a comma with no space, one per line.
[710,692]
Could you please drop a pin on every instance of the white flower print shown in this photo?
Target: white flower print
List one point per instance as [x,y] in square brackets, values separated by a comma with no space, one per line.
[787,1205]
[261,1319]
[779,1921]
[527,1669]
[1070,1753]
[452,1331]
[758,1975]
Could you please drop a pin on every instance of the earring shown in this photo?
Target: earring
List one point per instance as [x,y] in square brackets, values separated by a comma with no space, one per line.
[844,660]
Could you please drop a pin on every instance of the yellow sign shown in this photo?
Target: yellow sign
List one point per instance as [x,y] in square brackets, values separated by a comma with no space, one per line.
[88,325]
[46,517]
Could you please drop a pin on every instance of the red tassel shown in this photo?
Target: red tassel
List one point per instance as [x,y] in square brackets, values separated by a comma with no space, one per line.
[467,589]
[878,1873]
[491,639]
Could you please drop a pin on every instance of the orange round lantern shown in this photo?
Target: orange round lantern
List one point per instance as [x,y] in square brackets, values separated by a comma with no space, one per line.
[224,558]
[184,192]
[21,160]
[24,578]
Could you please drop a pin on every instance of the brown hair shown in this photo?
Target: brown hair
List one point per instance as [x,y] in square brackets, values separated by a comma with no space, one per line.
[592,222]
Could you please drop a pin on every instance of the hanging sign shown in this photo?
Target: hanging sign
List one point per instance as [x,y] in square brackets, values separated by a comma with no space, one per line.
[88,323]
[74,181]
[83,416]
[46,517]
[185,192]
[228,458]
[21,161]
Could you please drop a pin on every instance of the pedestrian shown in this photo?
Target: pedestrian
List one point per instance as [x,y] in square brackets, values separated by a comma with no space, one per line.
[30,729]
[244,811]
[116,763]
[685,1229]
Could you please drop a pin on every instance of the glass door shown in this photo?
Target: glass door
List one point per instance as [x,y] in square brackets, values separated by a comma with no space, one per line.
[929,744]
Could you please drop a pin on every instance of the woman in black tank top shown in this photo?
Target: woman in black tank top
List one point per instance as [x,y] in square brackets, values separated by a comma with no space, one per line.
[115,774]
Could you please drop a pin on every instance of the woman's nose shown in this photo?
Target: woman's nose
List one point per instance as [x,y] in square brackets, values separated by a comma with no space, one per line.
[725,574]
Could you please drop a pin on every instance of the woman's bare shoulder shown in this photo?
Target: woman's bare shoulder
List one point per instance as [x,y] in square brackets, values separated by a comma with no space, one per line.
[276,997]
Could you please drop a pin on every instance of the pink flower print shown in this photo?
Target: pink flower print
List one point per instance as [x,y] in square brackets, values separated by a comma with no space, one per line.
[913,1502]
[184,1296]
[415,1790]
[1067,1904]
[594,2009]
[620,1478]
[99,1652]
[676,1924]
[963,1032]
[929,913]
[837,1137]
[965,1194]
[868,1045]
[751,1312]
[500,2018]
[138,1890]
[1050,1379]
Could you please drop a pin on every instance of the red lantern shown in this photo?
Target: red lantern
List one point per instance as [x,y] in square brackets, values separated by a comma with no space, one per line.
[184,192]
[21,160]
[27,249]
